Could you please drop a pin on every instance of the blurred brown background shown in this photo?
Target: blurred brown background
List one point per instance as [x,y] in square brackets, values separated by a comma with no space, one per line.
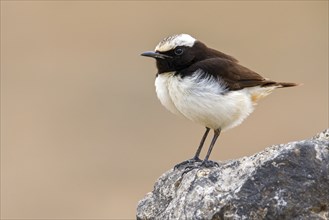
[83,135]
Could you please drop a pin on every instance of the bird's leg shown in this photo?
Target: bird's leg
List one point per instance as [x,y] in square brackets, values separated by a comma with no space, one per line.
[197,153]
[206,162]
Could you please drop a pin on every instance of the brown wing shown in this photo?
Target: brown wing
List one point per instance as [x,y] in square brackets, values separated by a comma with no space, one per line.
[233,74]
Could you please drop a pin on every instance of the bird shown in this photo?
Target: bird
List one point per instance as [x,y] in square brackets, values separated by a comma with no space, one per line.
[206,86]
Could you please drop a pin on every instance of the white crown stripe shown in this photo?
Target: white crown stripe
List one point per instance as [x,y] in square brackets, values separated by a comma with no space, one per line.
[172,42]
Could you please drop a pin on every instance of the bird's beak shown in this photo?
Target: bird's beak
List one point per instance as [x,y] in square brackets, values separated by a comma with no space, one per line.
[155,55]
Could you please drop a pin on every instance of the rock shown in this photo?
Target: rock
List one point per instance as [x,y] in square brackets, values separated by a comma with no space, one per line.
[287,181]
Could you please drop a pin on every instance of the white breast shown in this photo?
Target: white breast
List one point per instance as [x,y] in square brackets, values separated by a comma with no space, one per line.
[162,89]
[204,100]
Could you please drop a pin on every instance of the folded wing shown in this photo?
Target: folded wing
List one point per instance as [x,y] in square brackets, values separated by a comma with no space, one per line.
[234,75]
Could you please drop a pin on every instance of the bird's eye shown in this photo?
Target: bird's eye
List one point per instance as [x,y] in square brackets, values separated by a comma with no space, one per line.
[179,51]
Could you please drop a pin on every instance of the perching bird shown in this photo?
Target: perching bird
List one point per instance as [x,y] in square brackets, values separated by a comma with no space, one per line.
[206,86]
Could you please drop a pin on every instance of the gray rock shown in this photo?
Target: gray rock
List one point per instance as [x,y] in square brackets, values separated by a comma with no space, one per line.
[287,181]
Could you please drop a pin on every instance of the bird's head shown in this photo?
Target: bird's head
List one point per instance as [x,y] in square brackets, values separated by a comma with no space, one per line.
[175,53]
[178,52]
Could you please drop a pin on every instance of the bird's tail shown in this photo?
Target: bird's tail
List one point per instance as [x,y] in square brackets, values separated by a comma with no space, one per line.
[286,84]
[279,84]
[266,89]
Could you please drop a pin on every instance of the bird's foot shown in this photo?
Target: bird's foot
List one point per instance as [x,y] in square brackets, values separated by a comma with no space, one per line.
[189,162]
[209,163]
[204,164]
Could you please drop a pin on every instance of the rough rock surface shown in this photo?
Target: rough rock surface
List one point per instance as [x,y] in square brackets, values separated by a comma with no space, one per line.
[287,181]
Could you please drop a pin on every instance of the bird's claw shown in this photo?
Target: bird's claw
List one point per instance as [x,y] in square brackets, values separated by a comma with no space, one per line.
[190,161]
[209,163]
[204,164]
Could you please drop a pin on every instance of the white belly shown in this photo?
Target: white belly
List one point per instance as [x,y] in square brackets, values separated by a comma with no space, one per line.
[204,101]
